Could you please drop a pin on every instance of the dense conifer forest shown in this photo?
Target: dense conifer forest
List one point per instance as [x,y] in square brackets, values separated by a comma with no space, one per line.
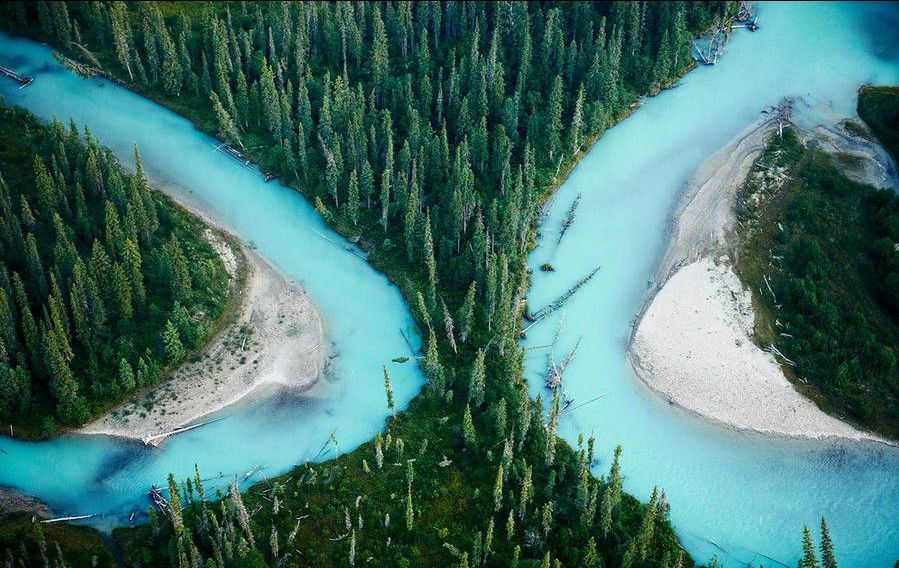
[103,283]
[434,132]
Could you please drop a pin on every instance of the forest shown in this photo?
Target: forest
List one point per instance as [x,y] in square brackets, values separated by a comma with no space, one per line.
[879,108]
[103,283]
[825,246]
[433,132]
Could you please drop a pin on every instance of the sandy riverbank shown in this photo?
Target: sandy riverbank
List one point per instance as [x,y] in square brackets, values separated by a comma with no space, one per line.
[277,339]
[11,501]
[693,341]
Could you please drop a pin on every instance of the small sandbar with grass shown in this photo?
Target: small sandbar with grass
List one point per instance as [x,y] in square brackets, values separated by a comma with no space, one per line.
[706,340]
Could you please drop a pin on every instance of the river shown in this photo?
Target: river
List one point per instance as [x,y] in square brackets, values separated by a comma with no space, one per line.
[363,313]
[741,496]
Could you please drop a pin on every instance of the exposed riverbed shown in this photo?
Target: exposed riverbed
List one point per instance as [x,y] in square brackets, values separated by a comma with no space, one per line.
[742,496]
[363,313]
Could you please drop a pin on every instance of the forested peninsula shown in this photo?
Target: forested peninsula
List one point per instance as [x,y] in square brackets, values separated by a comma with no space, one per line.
[432,132]
[105,283]
[819,251]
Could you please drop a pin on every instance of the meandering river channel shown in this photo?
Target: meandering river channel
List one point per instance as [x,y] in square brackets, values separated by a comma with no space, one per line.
[741,496]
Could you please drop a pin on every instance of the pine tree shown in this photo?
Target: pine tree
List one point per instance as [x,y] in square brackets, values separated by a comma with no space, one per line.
[179,273]
[410,514]
[126,375]
[388,388]
[547,518]
[647,527]
[132,263]
[171,340]
[227,130]
[612,494]
[271,107]
[468,432]
[498,490]
[809,558]
[380,57]
[476,384]
[828,557]
[410,225]
[121,289]
[577,123]
[449,327]
[352,203]
[62,383]
[591,558]
[121,33]
[26,319]
[527,491]
[385,197]
[554,120]
[466,313]
[36,275]
[430,261]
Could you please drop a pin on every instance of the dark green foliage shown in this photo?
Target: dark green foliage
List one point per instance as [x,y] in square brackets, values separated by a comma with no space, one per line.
[879,108]
[85,295]
[433,132]
[827,248]
[27,543]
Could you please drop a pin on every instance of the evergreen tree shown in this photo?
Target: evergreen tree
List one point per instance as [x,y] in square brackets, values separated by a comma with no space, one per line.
[554,120]
[171,340]
[809,558]
[498,490]
[179,273]
[126,375]
[468,432]
[227,130]
[388,388]
[352,203]
[577,123]
[478,376]
[828,557]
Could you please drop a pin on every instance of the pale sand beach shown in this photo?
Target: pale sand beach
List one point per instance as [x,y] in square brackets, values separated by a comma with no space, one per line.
[278,339]
[693,343]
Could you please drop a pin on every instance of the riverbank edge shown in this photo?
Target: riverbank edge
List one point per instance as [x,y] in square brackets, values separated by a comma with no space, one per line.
[251,269]
[712,238]
[399,278]
[217,326]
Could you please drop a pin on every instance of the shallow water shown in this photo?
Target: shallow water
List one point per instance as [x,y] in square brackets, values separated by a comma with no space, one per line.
[362,311]
[738,495]
[733,494]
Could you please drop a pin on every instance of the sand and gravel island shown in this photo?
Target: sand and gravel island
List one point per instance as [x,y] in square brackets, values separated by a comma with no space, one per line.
[695,341]
[276,339]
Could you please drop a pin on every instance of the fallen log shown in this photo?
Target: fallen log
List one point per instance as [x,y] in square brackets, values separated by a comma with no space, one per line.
[151,439]
[560,301]
[66,519]
[569,217]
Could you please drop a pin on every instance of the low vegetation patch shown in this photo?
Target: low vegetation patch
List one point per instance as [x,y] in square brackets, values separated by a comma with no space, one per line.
[819,252]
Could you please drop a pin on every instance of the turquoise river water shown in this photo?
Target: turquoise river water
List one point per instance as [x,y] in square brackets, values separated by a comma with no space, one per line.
[737,495]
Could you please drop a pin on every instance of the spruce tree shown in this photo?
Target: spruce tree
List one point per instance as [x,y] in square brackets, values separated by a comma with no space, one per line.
[171,340]
[809,558]
[388,388]
[352,203]
[828,556]
[478,375]
[468,432]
